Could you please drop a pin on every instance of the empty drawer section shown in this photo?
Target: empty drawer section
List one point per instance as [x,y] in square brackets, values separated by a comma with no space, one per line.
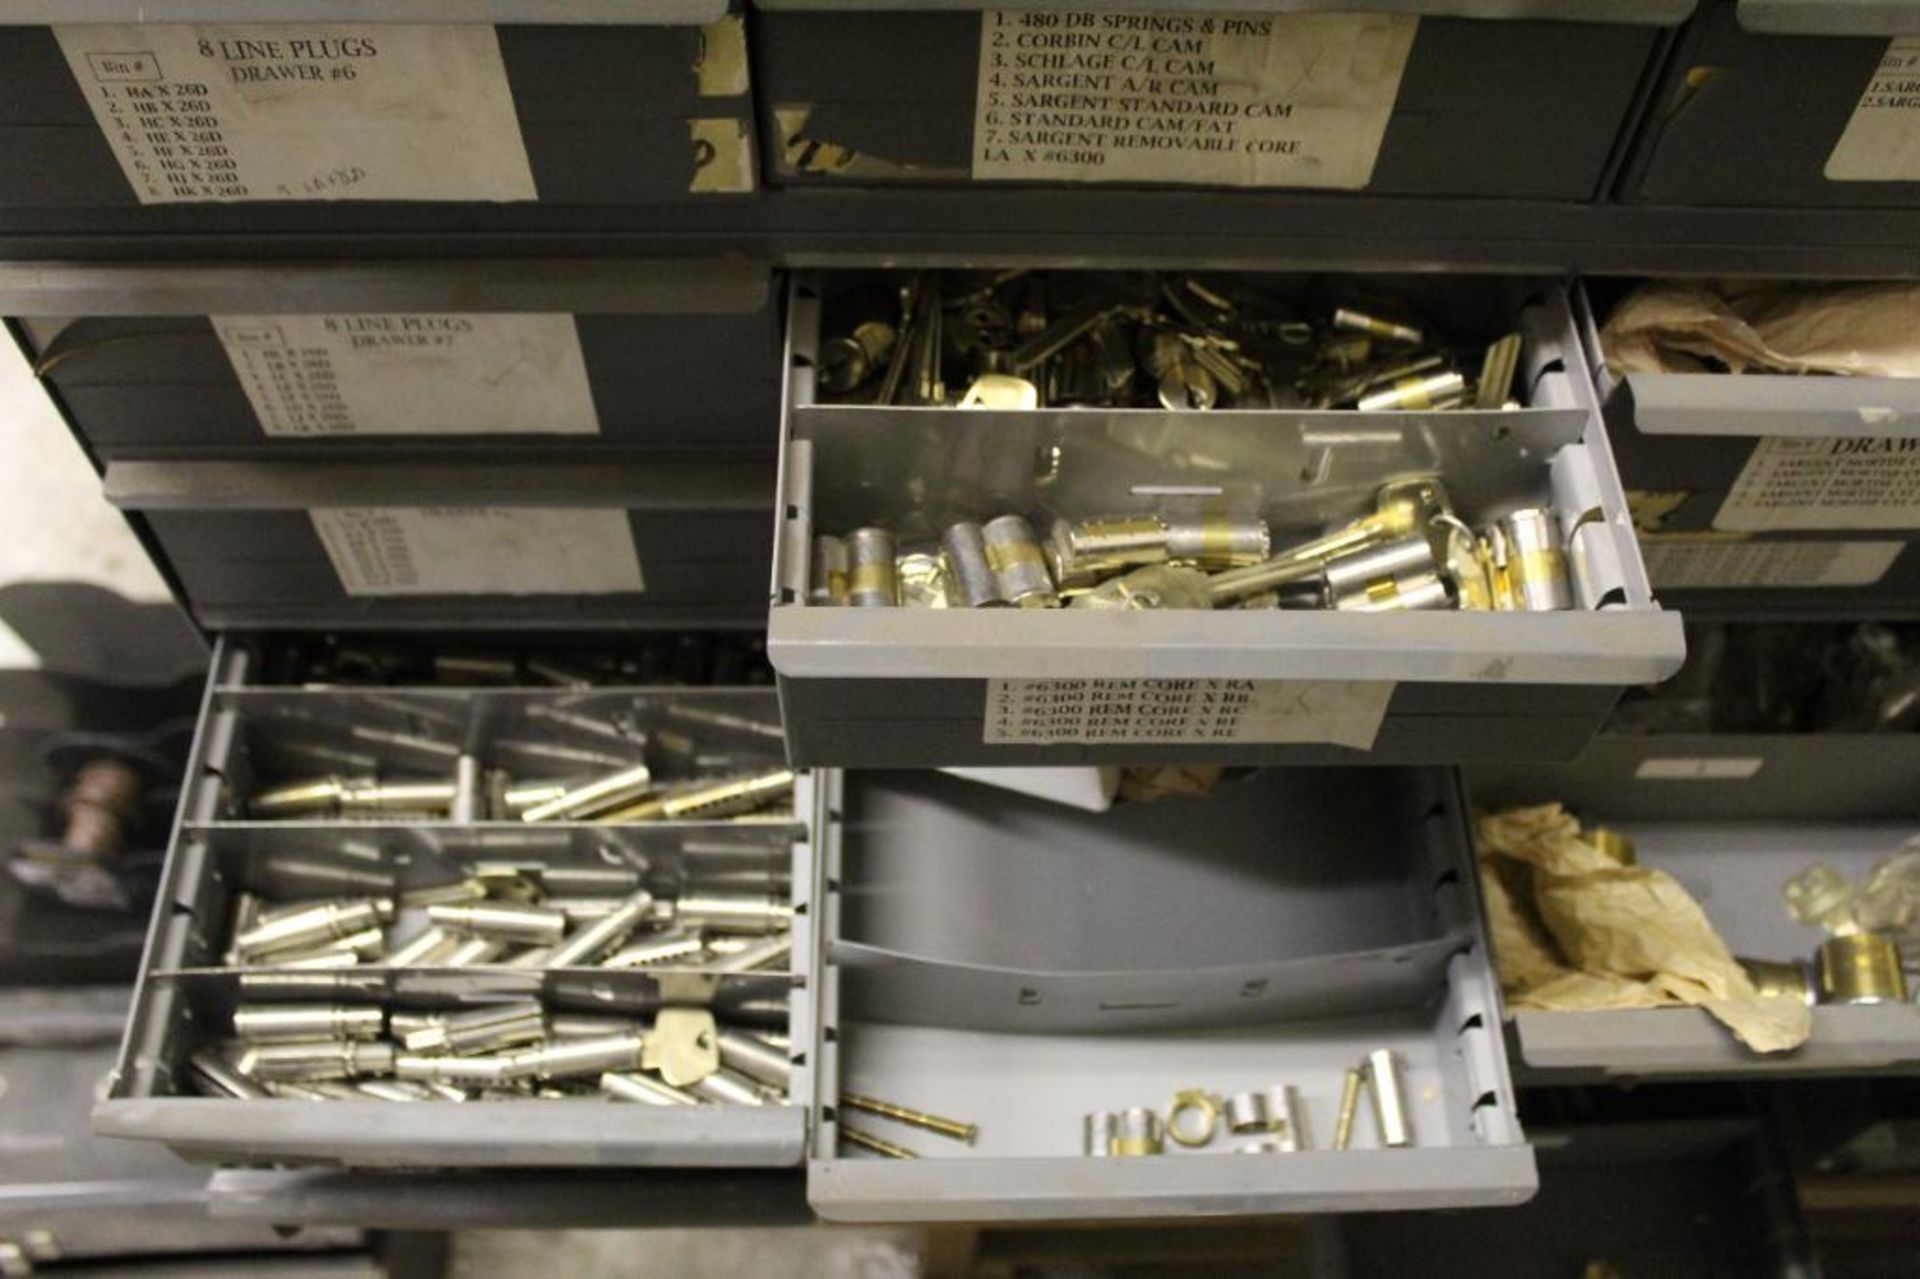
[411,542]
[1766,493]
[115,117]
[711,951]
[1720,132]
[937,686]
[686,364]
[1400,103]
[1002,962]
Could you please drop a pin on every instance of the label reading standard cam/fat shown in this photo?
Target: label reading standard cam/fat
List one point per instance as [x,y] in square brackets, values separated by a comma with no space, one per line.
[414,374]
[1259,100]
[477,550]
[296,111]
[1677,562]
[1881,142]
[1046,712]
[1849,482]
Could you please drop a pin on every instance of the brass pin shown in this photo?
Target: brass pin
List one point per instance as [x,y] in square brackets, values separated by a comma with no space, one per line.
[919,1119]
[1349,1106]
[877,1145]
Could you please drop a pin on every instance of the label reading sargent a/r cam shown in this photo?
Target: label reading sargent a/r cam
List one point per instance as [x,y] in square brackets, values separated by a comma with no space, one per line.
[1045,712]
[474,550]
[1881,142]
[301,111]
[1850,482]
[413,374]
[1280,100]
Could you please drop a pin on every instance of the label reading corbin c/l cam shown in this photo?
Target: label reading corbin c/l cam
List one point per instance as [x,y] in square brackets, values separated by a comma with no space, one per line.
[1249,99]
[416,374]
[296,111]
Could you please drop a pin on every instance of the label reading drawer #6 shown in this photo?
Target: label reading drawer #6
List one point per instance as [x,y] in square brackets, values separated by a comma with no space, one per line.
[1247,99]
[414,374]
[479,550]
[1881,142]
[302,111]
[1046,712]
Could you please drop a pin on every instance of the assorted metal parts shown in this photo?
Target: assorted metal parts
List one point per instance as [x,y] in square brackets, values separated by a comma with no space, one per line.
[1030,339]
[1194,1118]
[1410,553]
[1871,928]
[953,1129]
[1379,1076]
[694,658]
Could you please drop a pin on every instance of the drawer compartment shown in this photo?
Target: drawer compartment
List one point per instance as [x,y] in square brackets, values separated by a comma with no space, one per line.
[514,117]
[1762,493]
[698,868]
[918,687]
[677,360]
[1028,93]
[412,542]
[1016,965]
[1719,131]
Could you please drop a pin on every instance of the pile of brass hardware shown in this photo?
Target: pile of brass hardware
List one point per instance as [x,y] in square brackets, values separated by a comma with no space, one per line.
[1273,1117]
[351,661]
[1410,552]
[874,1144]
[1859,962]
[1030,339]
[579,766]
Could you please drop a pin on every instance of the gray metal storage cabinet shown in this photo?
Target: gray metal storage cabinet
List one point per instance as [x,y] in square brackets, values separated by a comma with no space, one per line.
[1017,964]
[418,541]
[1446,97]
[1764,494]
[908,688]
[1786,103]
[630,358]
[653,106]
[186,994]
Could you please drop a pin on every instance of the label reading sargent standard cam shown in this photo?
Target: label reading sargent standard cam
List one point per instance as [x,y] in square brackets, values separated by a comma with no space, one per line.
[478,550]
[1845,483]
[1881,142]
[1259,100]
[294,111]
[316,375]
[1681,563]
[1046,712]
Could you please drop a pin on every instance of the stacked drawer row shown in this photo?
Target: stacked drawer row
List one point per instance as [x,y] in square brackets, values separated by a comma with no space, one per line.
[161,122]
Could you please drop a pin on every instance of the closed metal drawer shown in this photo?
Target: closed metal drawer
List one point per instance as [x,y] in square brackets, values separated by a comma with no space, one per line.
[1721,133]
[903,687]
[1024,92]
[1005,962]
[254,737]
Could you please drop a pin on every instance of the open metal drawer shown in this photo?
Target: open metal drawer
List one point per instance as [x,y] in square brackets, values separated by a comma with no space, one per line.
[1015,964]
[252,736]
[905,687]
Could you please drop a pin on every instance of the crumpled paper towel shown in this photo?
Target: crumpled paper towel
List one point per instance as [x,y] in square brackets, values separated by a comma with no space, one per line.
[1686,326]
[1575,929]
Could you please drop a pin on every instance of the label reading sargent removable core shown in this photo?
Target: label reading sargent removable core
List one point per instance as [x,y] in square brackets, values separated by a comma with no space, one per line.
[1045,712]
[299,111]
[1280,100]
[414,374]
[1846,482]
[479,550]
[1881,142]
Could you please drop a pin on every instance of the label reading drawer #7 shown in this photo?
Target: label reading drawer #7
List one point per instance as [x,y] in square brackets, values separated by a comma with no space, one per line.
[303,111]
[1221,99]
[413,374]
[1881,142]
[479,550]
[1047,712]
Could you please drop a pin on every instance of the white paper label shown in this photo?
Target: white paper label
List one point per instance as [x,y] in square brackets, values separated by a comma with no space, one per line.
[1849,482]
[1045,712]
[1881,142]
[415,374]
[474,550]
[1721,768]
[1682,563]
[301,111]
[1258,100]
